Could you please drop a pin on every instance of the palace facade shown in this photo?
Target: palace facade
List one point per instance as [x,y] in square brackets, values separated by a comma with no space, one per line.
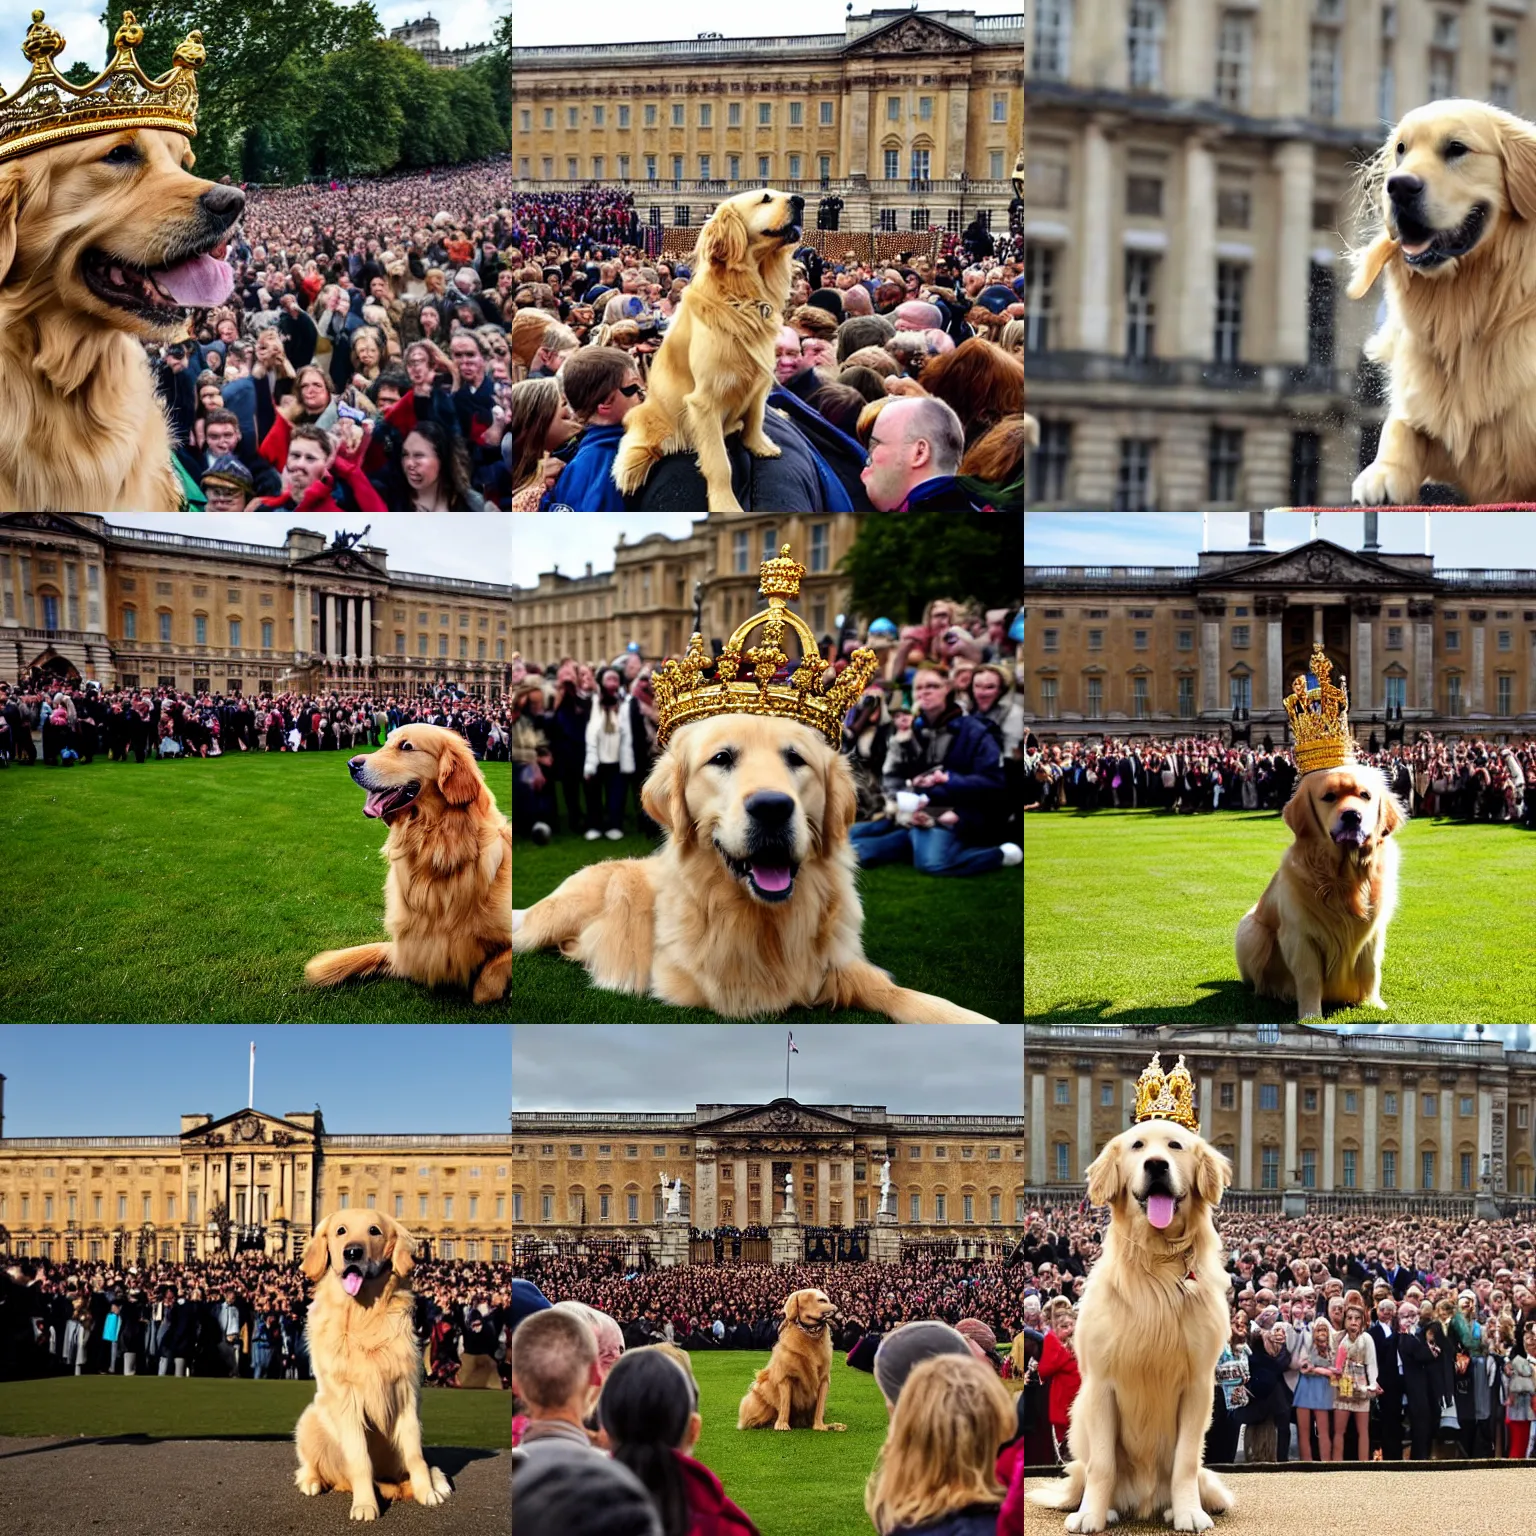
[648,597]
[247,1180]
[1130,651]
[911,117]
[590,1174]
[82,598]
[1395,1118]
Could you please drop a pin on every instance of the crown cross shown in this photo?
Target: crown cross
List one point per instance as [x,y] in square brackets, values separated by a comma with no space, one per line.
[1320,719]
[1170,1097]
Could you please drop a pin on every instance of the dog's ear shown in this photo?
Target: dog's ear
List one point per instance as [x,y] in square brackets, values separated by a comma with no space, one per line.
[664,796]
[1368,264]
[842,802]
[1213,1173]
[317,1251]
[10,214]
[1105,1184]
[724,240]
[400,1250]
[1391,816]
[792,1306]
[1517,147]
[458,776]
[1297,814]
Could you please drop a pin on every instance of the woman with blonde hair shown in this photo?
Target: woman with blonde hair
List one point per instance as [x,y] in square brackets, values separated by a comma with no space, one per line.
[936,1473]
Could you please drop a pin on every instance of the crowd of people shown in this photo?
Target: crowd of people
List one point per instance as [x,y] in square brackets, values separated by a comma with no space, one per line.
[1464,780]
[64,725]
[607,1408]
[932,349]
[1353,1337]
[363,359]
[935,744]
[239,1315]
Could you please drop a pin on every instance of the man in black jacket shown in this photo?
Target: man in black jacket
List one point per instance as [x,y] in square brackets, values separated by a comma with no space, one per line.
[1387,1410]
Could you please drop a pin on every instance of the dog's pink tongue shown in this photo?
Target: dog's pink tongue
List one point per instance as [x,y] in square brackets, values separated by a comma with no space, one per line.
[353,1282]
[770,879]
[374,804]
[1159,1210]
[198,283]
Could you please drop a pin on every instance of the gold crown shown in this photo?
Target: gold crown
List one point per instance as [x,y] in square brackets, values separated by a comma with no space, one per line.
[1322,733]
[46,109]
[681,696]
[1166,1098]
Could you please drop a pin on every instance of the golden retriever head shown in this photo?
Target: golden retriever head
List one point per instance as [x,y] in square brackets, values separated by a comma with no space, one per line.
[812,1310]
[420,768]
[361,1246]
[1159,1175]
[1451,175]
[115,229]
[765,794]
[1350,809]
[759,229]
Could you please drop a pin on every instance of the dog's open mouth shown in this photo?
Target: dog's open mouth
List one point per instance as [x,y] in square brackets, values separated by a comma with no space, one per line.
[1159,1206]
[1349,837]
[789,231]
[197,280]
[386,803]
[352,1278]
[1424,247]
[770,875]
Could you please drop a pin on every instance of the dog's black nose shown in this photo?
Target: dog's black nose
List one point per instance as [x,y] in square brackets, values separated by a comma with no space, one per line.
[223,202]
[1349,818]
[1403,188]
[770,808]
[355,765]
[352,1253]
[1156,1165]
[797,203]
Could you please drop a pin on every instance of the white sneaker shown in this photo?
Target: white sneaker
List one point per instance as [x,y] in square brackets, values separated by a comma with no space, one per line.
[1012,854]
[592,834]
[613,834]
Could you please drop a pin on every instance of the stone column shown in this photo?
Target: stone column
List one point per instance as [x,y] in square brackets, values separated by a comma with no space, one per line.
[740,1175]
[1325,1176]
[367,650]
[1447,1179]
[1206,1107]
[1288,1153]
[1274,665]
[1294,163]
[1245,1135]
[1368,1179]
[958,92]
[1085,1148]
[1197,312]
[1422,613]
[1317,625]
[1210,664]
[1407,1178]
[1479,641]
[1484,1138]
[1362,682]
[706,1206]
[1097,257]
[330,628]
[1038,1173]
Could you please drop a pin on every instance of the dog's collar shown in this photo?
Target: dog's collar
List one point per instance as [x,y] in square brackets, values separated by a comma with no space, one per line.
[815,1330]
[764,309]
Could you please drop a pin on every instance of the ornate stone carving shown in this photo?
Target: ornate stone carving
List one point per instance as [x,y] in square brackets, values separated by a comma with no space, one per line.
[1318,563]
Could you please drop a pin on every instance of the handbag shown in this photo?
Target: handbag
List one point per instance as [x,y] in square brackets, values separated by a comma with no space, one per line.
[1448,1419]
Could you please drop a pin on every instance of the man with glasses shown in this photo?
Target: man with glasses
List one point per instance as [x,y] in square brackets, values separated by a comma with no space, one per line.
[914,457]
[601,387]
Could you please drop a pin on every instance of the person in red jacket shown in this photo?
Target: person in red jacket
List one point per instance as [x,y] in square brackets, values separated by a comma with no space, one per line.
[649,1410]
[326,476]
[1058,1366]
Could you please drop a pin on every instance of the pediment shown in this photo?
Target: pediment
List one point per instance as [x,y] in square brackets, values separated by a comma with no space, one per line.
[912,35]
[249,1128]
[51,522]
[1318,563]
[355,564]
[783,1117]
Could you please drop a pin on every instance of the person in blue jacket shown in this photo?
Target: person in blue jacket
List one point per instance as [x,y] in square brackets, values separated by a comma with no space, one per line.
[601,387]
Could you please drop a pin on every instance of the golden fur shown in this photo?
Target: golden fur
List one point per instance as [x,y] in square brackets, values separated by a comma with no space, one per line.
[448,893]
[1459,339]
[681,926]
[1148,1338]
[790,1392]
[715,367]
[83,428]
[364,1425]
[1319,931]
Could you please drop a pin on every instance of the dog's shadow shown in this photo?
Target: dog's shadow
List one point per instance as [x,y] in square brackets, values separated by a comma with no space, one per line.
[452,1459]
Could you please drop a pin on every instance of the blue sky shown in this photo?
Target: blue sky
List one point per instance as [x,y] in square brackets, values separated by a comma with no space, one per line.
[1457,539]
[139,1079]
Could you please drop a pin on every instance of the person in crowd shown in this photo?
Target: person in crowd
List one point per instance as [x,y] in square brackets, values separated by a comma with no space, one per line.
[554,1377]
[1059,1370]
[601,387]
[610,755]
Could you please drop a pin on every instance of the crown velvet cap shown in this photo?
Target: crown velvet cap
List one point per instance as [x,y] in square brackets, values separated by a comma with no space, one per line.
[682,694]
[1170,1097]
[46,109]
[1320,719]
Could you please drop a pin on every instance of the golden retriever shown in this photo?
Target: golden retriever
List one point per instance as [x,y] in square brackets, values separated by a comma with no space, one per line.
[715,367]
[1455,188]
[1152,1322]
[1319,931]
[105,243]
[448,893]
[790,1392]
[364,1425]
[749,906]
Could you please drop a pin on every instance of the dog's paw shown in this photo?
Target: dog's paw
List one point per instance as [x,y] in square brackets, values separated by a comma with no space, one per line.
[838,1427]
[781,1426]
[762,448]
[428,1495]
[307,1481]
[362,1509]
[1381,484]
[1194,1519]
[440,1482]
[1085,1521]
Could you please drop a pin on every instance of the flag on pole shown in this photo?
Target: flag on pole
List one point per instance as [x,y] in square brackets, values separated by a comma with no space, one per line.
[795,1048]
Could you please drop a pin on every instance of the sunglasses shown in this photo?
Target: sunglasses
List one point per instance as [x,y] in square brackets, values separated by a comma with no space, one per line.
[631,390]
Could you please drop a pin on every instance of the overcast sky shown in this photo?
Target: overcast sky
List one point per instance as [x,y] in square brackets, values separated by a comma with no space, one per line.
[139,1079]
[471,545]
[616,21]
[569,541]
[941,1069]
[1496,540]
[85,39]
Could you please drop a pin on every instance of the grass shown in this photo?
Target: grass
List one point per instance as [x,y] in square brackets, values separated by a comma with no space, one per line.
[195,891]
[958,938]
[1131,917]
[207,1408]
[800,1483]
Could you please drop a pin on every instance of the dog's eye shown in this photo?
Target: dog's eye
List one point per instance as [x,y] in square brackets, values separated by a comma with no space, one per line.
[1135,1146]
[723,759]
[405,746]
[1455,150]
[374,1232]
[793,758]
[341,1231]
[1400,149]
[767,198]
[1175,1146]
[121,154]
[1330,797]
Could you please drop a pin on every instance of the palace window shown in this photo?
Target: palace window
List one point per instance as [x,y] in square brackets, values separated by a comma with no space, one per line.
[1048,464]
[1039,296]
[1134,477]
[1140,313]
[1145,26]
[1323,73]
[1229,310]
[1224,462]
[1234,55]
[1426,1170]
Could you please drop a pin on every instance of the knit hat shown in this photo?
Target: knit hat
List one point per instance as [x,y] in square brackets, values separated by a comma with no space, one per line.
[977,1331]
[862,331]
[905,1348]
[828,299]
[228,469]
[995,297]
[527,1299]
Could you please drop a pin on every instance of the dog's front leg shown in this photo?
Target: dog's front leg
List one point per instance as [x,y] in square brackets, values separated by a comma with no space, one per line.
[709,444]
[785,1392]
[1397,473]
[1368,969]
[352,1443]
[428,1485]
[753,438]
[1184,1486]
[819,1422]
[1095,1405]
[1306,968]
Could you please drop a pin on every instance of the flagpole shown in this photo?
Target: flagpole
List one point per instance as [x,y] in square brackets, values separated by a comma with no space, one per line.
[250,1097]
[787,1039]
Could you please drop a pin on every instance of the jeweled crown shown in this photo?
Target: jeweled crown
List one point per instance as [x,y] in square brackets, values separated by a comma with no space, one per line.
[1166,1098]
[47,109]
[682,694]
[1320,719]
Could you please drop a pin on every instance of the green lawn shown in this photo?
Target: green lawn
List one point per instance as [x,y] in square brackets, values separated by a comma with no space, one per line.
[960,939]
[800,1483]
[1131,917]
[195,891]
[205,1408]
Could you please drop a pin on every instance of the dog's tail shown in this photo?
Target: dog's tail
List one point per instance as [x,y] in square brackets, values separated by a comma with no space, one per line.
[338,965]
[636,456]
[1066,1492]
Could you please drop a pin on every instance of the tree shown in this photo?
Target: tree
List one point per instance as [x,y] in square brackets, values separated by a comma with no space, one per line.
[900,560]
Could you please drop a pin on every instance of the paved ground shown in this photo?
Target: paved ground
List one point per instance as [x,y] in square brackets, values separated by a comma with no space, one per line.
[135,1487]
[1450,1503]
